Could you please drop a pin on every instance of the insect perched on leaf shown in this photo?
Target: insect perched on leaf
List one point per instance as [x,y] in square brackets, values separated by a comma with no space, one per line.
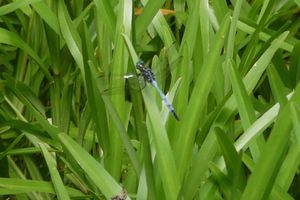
[147,76]
[150,78]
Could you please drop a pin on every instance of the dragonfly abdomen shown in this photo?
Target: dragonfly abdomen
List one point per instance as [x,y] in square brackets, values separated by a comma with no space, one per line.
[149,77]
[165,100]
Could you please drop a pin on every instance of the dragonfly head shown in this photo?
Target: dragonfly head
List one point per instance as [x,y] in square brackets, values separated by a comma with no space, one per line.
[140,64]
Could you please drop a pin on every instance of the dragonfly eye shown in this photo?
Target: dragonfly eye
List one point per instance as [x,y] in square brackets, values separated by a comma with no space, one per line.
[140,64]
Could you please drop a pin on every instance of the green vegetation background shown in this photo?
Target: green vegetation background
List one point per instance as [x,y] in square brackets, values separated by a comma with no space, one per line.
[70,129]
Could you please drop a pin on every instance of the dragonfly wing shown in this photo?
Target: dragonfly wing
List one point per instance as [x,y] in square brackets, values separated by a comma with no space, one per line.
[116,84]
[163,69]
[165,100]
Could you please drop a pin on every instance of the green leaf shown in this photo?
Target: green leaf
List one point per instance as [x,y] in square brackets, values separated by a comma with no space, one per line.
[165,159]
[10,38]
[17,186]
[191,117]
[262,180]
[102,180]
[47,15]
[70,35]
[234,168]
[277,86]
[142,22]
[58,184]
[8,8]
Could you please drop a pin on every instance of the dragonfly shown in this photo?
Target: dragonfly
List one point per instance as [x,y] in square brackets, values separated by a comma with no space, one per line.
[150,78]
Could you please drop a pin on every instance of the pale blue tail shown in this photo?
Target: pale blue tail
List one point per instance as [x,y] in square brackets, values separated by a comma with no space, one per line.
[164,98]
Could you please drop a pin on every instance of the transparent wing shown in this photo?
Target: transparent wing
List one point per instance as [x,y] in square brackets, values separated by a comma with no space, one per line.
[162,67]
[164,70]
[120,84]
[164,63]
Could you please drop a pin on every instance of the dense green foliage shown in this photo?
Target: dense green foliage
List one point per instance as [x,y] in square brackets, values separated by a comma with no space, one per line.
[70,129]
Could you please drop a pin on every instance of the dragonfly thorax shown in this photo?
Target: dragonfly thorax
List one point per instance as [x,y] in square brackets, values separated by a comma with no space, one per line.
[149,77]
[146,72]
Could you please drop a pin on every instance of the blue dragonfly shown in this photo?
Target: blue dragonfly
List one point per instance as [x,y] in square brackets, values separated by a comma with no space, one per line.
[150,78]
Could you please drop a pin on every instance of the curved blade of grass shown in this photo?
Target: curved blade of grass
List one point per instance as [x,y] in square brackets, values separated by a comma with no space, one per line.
[130,48]
[209,190]
[262,179]
[291,163]
[191,28]
[295,111]
[277,85]
[124,136]
[191,117]
[279,193]
[138,111]
[10,186]
[245,108]
[259,126]
[254,74]
[232,30]
[165,156]
[17,89]
[163,29]
[10,38]
[208,149]
[70,35]
[11,7]
[244,103]
[222,181]
[233,162]
[94,103]
[17,172]
[35,173]
[263,36]
[116,120]
[93,169]
[142,22]
[11,146]
[294,66]
[199,167]
[47,15]
[205,27]
[119,63]
[105,11]
[289,167]
[121,130]
[58,184]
